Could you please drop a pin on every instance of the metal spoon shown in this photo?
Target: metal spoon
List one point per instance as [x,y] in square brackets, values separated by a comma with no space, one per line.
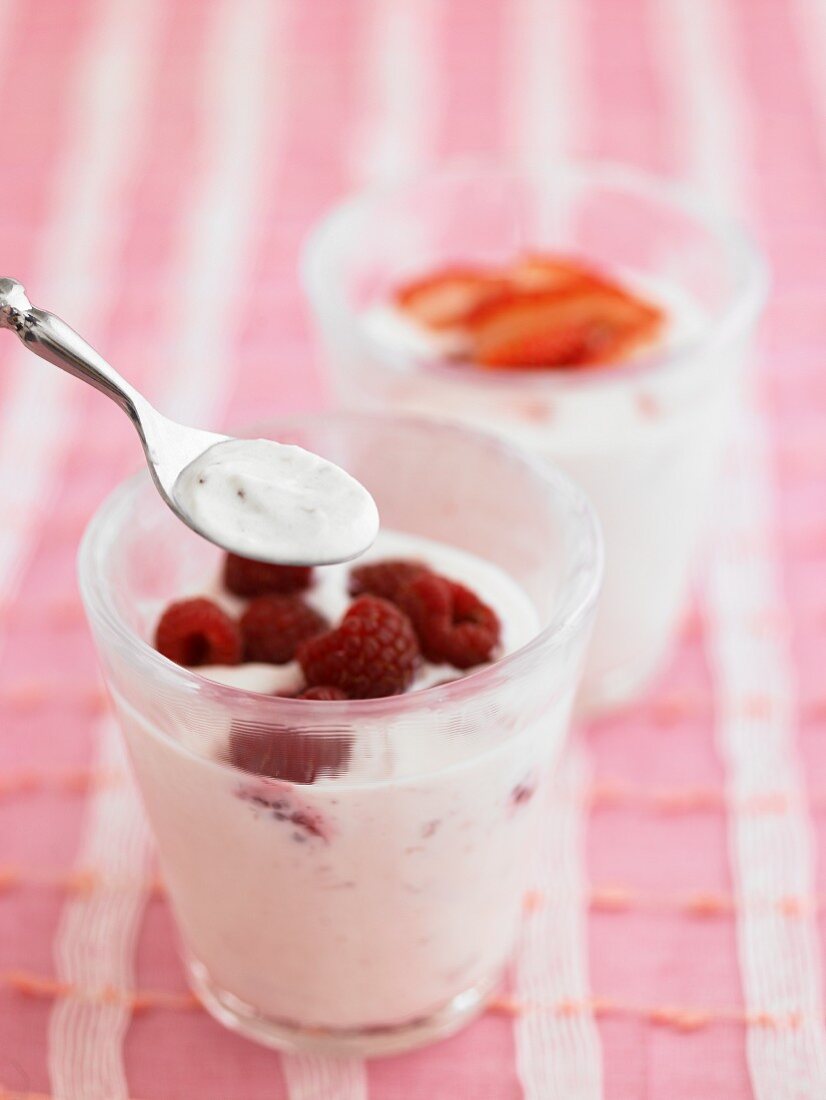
[170,447]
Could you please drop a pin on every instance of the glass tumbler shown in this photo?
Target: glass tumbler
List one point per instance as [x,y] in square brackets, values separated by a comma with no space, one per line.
[373,909]
[642,438]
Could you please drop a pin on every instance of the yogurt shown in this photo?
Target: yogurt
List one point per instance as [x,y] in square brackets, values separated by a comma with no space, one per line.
[371,900]
[277,502]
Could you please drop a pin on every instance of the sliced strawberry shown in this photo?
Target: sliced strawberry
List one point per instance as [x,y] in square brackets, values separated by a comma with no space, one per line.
[572,328]
[447,298]
[535,271]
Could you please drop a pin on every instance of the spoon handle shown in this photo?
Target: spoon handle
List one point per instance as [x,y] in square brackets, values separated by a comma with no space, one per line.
[57,343]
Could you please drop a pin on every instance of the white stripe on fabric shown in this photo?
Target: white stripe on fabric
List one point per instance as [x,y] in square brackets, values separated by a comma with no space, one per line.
[400,62]
[310,1077]
[75,254]
[545,112]
[772,855]
[810,26]
[96,941]
[712,122]
[558,1055]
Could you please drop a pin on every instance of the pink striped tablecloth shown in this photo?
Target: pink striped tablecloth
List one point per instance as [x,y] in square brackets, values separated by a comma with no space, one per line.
[161,162]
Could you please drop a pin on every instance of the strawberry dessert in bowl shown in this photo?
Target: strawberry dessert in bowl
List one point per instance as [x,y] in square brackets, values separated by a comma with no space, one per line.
[594,315]
[344,766]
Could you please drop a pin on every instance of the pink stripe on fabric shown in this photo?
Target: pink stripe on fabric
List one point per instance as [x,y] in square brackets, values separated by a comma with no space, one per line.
[624,122]
[779,956]
[34,39]
[473,77]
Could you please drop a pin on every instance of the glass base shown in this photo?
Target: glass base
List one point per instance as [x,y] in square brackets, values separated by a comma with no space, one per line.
[238,1016]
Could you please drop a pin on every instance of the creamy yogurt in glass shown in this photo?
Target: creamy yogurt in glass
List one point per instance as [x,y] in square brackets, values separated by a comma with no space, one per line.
[369,898]
[374,908]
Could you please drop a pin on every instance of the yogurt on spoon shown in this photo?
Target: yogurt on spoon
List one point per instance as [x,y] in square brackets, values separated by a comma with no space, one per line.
[277,502]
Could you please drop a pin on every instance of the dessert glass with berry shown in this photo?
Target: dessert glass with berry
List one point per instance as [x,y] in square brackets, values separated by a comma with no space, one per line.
[595,315]
[344,767]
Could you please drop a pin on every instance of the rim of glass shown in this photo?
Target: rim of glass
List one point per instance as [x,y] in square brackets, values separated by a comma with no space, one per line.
[580,585]
[750,273]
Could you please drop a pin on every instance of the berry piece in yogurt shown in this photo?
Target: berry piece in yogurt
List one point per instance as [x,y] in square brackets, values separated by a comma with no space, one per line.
[273,627]
[387,578]
[198,632]
[246,577]
[323,693]
[293,756]
[373,653]
[452,624]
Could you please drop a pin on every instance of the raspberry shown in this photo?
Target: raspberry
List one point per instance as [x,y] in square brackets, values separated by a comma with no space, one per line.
[279,752]
[246,577]
[372,653]
[273,626]
[198,632]
[386,579]
[323,693]
[452,623]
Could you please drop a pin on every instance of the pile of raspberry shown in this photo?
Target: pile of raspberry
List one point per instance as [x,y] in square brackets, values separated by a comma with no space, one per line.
[402,613]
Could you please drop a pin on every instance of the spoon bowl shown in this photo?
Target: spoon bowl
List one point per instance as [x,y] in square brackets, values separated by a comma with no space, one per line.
[258,498]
